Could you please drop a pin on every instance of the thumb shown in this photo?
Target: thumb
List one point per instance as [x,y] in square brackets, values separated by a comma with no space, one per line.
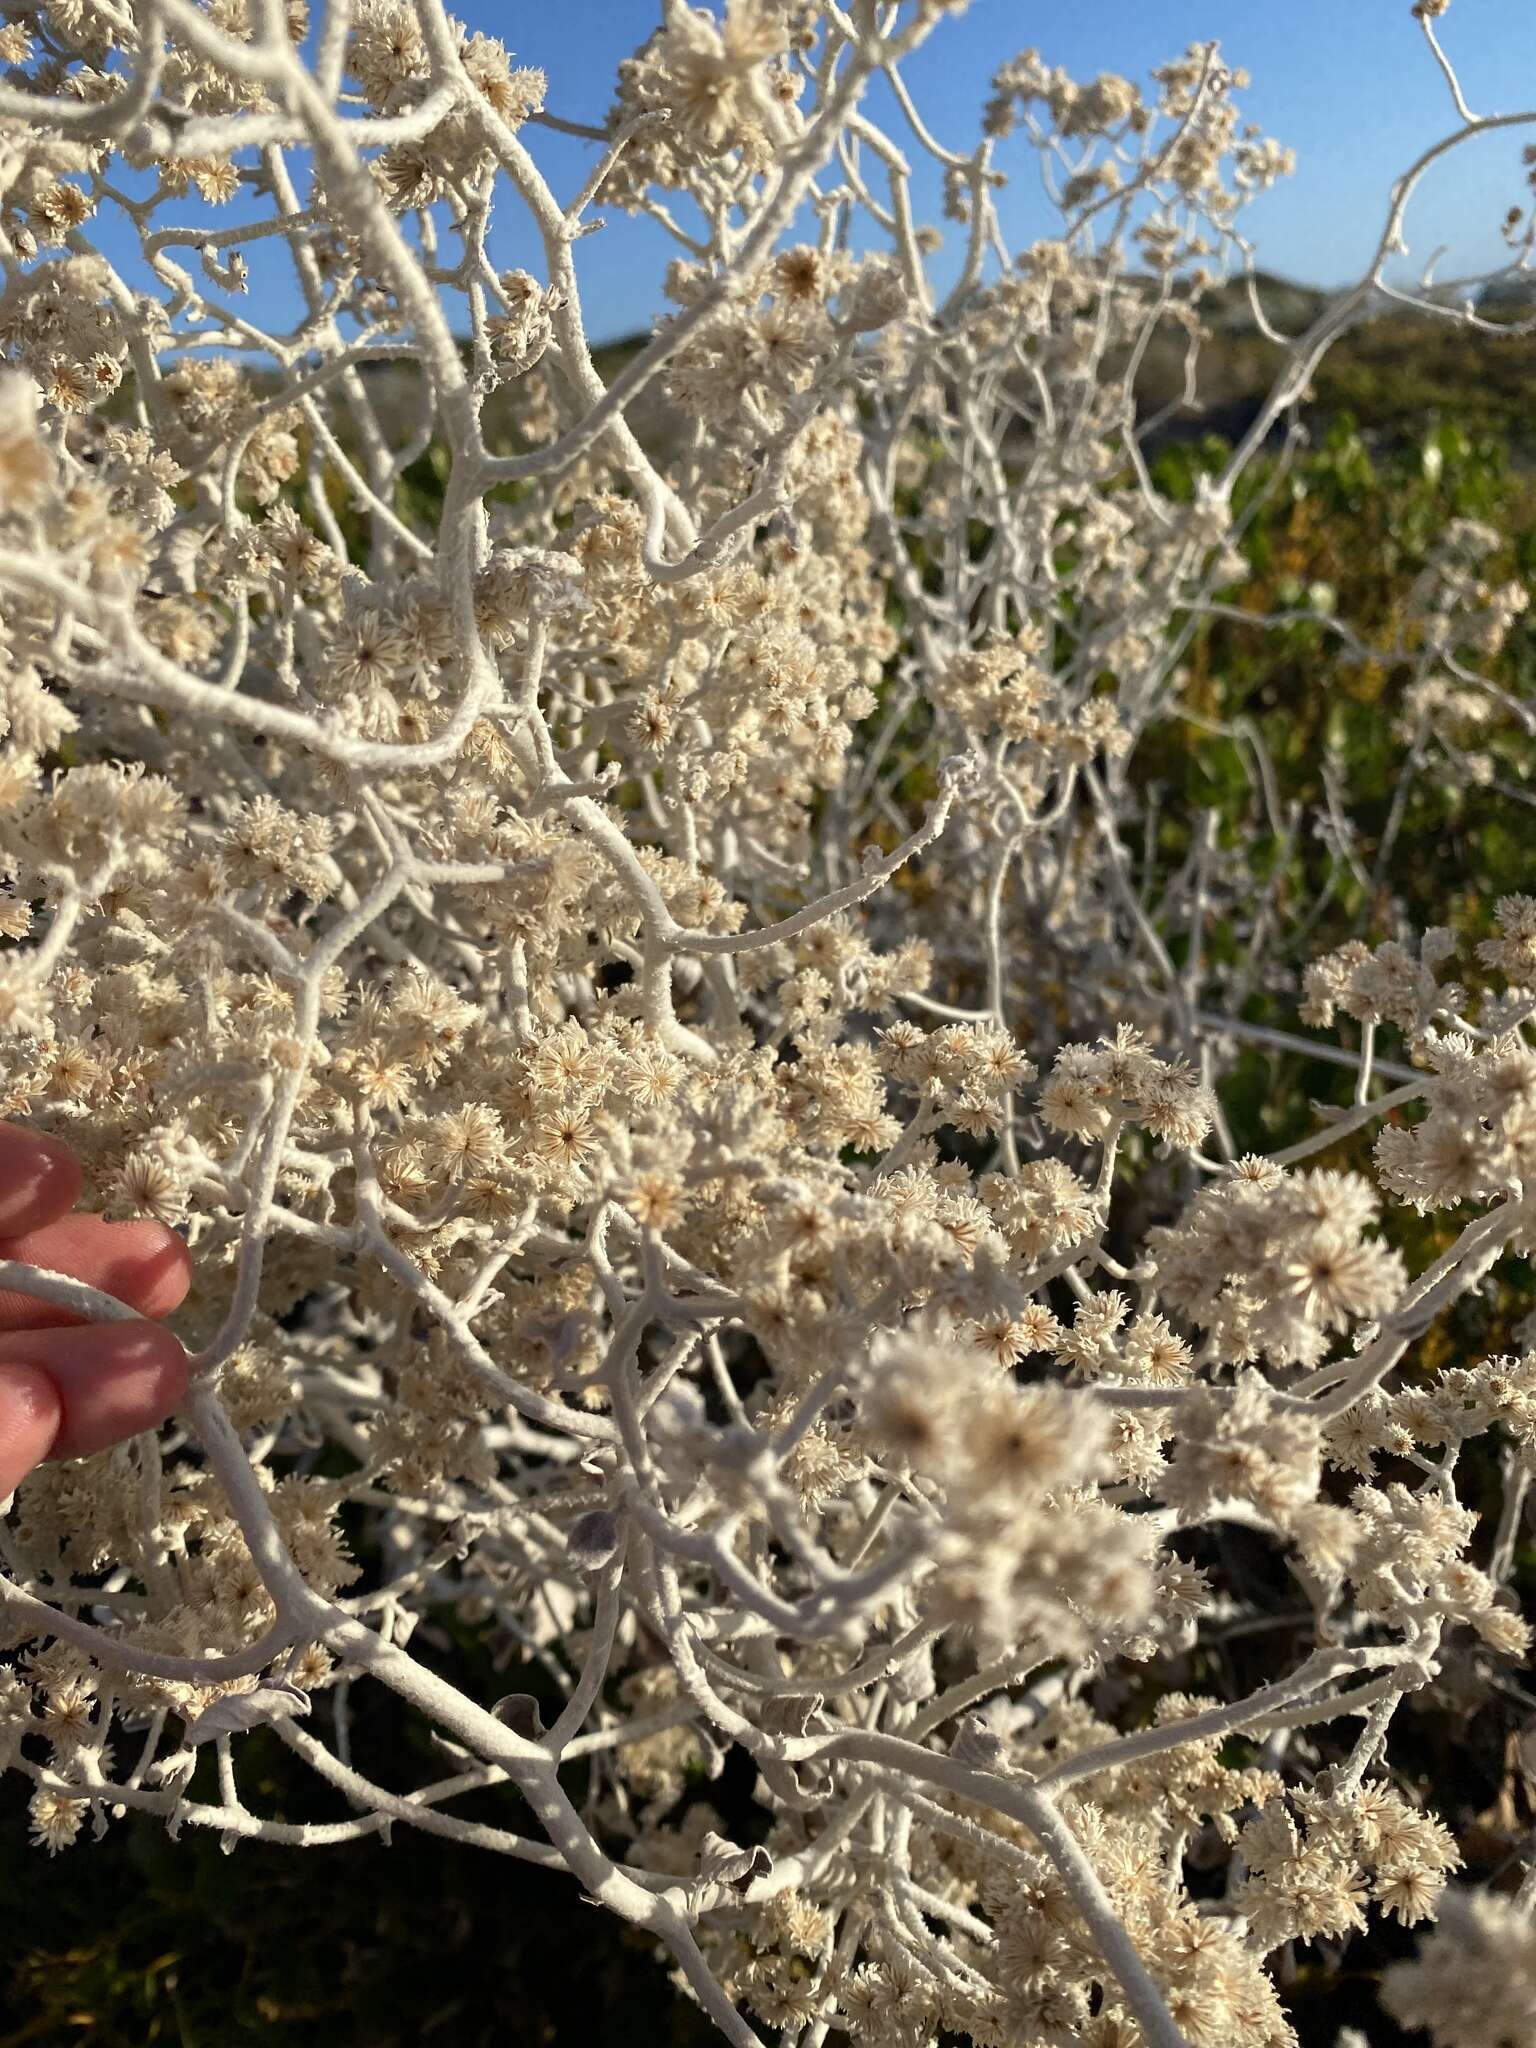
[30,1415]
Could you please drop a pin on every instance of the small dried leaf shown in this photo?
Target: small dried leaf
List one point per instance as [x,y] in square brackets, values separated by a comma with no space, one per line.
[979,1746]
[519,1711]
[593,1540]
[277,1700]
[726,1863]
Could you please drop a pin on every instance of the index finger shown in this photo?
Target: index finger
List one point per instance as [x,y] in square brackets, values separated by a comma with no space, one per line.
[39,1180]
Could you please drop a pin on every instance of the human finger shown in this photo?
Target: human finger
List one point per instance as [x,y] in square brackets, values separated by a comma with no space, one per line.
[110,1380]
[142,1263]
[30,1414]
[39,1180]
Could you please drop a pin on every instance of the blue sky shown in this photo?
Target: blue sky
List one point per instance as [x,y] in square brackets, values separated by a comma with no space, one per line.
[1348,84]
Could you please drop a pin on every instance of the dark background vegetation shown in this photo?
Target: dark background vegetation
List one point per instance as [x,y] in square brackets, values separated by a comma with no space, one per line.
[137,1940]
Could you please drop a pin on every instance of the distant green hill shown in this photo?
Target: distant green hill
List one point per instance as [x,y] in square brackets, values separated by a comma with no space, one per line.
[1398,372]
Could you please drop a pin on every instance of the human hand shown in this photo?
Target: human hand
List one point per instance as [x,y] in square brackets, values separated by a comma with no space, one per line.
[68,1388]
